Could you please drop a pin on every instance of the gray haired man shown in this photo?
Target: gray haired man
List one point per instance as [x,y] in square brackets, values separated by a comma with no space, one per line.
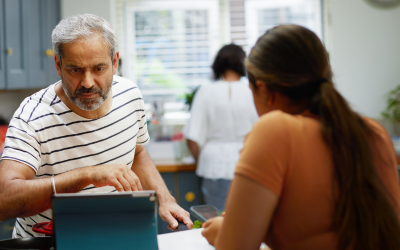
[81,134]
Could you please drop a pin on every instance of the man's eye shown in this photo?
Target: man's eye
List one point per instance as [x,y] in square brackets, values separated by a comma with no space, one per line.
[74,70]
[99,69]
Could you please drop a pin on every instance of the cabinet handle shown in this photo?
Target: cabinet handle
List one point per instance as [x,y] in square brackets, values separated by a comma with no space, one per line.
[9,51]
[49,52]
[190,196]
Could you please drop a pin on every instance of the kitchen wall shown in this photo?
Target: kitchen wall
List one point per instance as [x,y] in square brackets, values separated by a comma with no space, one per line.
[102,8]
[10,101]
[364,46]
[363,43]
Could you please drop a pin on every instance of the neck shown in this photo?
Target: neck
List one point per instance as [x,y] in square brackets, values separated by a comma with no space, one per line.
[230,76]
[94,114]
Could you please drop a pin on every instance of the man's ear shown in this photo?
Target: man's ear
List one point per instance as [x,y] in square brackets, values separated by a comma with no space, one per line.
[115,63]
[57,61]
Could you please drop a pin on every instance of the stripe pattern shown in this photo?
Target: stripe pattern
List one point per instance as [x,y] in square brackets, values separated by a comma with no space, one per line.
[47,136]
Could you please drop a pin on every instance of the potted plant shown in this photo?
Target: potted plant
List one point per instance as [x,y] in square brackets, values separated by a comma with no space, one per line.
[392,111]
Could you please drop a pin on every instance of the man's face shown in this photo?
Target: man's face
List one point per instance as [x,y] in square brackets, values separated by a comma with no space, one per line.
[86,71]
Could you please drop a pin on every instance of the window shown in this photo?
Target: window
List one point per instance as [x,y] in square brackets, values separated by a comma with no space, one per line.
[170,44]
[262,15]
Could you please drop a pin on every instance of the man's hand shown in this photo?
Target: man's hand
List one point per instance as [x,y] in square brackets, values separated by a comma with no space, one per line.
[171,212]
[120,176]
[212,228]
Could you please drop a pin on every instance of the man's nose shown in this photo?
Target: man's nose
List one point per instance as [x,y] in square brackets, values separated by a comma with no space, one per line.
[87,80]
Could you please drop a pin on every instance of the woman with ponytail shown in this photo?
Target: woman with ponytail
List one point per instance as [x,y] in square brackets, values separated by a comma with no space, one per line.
[313,174]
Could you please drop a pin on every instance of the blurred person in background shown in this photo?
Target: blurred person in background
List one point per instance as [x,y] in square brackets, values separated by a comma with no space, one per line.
[313,174]
[222,114]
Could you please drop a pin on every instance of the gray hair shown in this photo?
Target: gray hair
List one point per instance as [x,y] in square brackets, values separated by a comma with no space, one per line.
[83,26]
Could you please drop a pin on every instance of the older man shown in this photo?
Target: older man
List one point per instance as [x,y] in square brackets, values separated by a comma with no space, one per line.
[81,134]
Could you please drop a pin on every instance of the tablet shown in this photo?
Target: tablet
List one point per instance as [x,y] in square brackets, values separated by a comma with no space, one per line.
[105,221]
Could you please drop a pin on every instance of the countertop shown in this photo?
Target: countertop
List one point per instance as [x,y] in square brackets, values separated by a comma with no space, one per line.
[169,166]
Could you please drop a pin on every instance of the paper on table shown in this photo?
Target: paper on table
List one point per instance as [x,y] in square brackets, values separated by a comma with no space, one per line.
[185,240]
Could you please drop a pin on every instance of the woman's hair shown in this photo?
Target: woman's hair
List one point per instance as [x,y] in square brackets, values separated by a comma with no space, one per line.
[291,60]
[229,57]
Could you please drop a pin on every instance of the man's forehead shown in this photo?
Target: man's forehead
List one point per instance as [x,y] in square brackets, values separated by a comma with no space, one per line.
[93,52]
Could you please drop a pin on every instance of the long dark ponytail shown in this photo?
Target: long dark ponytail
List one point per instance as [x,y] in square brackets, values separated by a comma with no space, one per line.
[291,59]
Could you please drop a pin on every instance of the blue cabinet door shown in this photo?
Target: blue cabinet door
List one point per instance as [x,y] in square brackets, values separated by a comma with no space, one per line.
[44,15]
[169,179]
[35,52]
[6,228]
[2,49]
[16,43]
[25,37]
[189,190]
[51,19]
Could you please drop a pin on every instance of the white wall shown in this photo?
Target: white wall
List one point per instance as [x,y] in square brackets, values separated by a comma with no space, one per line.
[102,8]
[364,46]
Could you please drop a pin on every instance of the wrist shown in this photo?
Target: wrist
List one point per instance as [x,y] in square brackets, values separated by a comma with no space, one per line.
[87,175]
[165,197]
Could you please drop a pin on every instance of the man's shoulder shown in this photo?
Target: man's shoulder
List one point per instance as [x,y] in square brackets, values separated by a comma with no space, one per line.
[125,86]
[119,80]
[36,104]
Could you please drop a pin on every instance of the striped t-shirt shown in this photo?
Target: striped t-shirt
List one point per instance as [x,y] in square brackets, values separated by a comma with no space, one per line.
[47,136]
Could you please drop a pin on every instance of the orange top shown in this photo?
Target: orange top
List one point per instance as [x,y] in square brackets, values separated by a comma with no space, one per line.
[287,154]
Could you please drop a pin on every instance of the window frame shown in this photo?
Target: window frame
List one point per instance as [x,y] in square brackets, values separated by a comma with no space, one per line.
[129,34]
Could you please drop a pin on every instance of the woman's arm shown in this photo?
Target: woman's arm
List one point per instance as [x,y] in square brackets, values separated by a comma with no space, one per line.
[249,210]
[194,148]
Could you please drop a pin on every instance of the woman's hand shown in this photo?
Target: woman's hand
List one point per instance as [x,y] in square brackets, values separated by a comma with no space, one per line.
[212,228]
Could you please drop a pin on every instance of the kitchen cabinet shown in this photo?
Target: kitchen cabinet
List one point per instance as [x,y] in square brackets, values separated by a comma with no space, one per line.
[16,42]
[2,66]
[189,190]
[169,179]
[26,59]
[183,183]
[6,229]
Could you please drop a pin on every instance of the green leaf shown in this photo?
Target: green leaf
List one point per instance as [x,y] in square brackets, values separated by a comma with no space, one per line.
[392,110]
[197,224]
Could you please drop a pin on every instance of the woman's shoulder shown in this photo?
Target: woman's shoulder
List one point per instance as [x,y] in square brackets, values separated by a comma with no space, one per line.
[380,135]
[286,125]
[276,122]
[374,125]
[279,118]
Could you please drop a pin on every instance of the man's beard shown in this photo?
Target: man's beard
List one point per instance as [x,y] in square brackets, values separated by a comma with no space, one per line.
[84,103]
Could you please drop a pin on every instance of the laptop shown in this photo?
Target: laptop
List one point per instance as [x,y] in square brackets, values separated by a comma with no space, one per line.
[105,221]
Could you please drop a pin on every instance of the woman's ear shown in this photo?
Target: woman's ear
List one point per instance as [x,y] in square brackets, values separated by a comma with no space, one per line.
[261,84]
[267,95]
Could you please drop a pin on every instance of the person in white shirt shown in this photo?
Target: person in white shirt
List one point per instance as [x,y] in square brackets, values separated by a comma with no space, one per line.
[222,113]
[81,134]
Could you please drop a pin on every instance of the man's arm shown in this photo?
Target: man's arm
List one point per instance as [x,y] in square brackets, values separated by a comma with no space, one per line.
[21,196]
[151,180]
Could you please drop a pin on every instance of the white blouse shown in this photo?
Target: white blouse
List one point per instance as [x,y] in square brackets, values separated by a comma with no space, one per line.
[222,114]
